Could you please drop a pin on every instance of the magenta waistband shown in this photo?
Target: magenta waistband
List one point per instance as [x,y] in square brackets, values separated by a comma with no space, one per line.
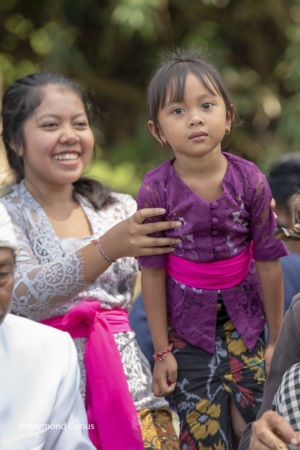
[213,275]
[108,400]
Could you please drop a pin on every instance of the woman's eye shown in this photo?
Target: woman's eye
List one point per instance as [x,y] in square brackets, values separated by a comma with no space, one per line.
[49,125]
[81,124]
[177,111]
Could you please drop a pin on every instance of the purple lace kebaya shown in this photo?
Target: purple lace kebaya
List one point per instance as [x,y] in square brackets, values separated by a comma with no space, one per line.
[213,231]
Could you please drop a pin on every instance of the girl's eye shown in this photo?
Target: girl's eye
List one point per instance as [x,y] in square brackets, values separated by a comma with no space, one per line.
[207,105]
[177,111]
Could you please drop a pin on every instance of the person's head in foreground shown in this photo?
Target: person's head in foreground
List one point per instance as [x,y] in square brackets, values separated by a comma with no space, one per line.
[8,244]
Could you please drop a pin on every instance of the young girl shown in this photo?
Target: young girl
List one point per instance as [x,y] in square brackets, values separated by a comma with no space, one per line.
[208,290]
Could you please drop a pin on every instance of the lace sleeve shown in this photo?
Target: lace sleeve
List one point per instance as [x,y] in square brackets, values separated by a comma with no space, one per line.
[52,282]
[263,224]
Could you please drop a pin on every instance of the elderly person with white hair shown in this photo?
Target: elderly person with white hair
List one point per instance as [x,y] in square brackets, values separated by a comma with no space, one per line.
[40,402]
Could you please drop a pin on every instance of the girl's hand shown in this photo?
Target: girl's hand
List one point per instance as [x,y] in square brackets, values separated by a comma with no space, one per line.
[130,237]
[164,376]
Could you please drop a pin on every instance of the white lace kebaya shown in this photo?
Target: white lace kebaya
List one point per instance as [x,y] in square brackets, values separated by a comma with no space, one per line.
[49,278]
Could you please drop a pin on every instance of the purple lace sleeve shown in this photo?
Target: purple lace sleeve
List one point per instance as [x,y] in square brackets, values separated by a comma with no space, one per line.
[263,224]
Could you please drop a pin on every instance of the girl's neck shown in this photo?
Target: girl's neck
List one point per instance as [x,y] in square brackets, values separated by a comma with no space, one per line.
[206,166]
[204,177]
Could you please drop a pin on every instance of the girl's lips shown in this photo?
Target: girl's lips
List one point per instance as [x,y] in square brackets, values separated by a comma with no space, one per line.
[198,136]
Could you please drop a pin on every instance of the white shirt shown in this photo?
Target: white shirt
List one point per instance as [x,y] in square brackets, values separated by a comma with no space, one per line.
[40,403]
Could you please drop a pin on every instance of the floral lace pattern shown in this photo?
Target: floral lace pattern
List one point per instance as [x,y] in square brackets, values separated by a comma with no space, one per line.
[49,278]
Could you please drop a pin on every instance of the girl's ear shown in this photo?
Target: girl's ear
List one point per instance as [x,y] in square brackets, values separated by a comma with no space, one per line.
[229,117]
[158,136]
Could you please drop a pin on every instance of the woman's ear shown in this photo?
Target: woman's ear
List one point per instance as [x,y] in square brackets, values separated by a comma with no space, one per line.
[13,146]
[157,135]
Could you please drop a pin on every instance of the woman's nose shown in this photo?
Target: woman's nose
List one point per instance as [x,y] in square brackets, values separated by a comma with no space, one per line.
[68,135]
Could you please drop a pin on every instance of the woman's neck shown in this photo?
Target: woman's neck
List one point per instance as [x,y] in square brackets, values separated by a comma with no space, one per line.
[51,197]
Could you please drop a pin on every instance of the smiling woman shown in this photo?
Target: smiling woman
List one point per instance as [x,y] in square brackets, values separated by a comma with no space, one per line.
[59,141]
[69,278]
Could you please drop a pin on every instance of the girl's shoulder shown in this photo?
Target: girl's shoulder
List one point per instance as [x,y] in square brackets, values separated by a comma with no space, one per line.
[237,162]
[243,171]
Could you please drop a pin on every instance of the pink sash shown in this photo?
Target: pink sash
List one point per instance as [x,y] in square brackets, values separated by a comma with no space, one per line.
[110,408]
[213,275]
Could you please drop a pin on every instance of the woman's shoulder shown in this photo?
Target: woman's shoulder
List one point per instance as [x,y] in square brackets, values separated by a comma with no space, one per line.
[125,199]
[12,198]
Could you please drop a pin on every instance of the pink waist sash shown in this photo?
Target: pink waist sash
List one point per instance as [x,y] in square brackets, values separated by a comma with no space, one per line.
[110,408]
[213,275]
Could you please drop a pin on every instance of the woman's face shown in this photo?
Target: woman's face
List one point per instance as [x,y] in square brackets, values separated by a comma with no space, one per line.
[58,140]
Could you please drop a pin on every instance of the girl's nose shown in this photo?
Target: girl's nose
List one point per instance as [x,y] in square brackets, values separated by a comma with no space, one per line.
[196,119]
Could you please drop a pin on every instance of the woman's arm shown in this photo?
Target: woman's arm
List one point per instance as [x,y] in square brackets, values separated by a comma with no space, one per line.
[61,279]
[154,296]
[271,281]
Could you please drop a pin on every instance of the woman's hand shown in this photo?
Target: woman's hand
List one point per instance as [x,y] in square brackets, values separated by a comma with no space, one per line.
[130,237]
[164,376]
[272,431]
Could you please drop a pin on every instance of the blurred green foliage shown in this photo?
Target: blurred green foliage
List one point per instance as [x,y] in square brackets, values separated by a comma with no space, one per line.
[112,46]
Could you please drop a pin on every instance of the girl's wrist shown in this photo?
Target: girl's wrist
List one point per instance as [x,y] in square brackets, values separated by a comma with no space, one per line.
[163,353]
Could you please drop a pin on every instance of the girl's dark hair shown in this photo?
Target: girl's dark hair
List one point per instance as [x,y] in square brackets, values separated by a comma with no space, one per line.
[170,78]
[19,102]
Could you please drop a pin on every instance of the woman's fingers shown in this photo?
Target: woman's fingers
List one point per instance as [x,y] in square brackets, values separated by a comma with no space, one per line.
[140,216]
[154,227]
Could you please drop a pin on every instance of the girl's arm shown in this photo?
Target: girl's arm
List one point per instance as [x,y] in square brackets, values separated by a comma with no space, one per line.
[271,281]
[154,296]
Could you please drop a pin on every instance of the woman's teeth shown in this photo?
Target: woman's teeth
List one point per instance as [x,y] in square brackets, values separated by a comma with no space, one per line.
[66,157]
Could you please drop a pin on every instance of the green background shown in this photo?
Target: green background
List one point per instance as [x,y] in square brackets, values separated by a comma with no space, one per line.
[112,46]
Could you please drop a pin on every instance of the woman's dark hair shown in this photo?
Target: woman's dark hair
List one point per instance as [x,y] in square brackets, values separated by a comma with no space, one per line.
[170,78]
[19,102]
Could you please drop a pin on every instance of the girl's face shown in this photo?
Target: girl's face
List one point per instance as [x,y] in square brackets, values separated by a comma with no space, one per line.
[196,126]
[58,141]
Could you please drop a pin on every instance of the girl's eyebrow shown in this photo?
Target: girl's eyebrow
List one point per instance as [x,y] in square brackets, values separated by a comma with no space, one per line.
[206,95]
[200,98]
